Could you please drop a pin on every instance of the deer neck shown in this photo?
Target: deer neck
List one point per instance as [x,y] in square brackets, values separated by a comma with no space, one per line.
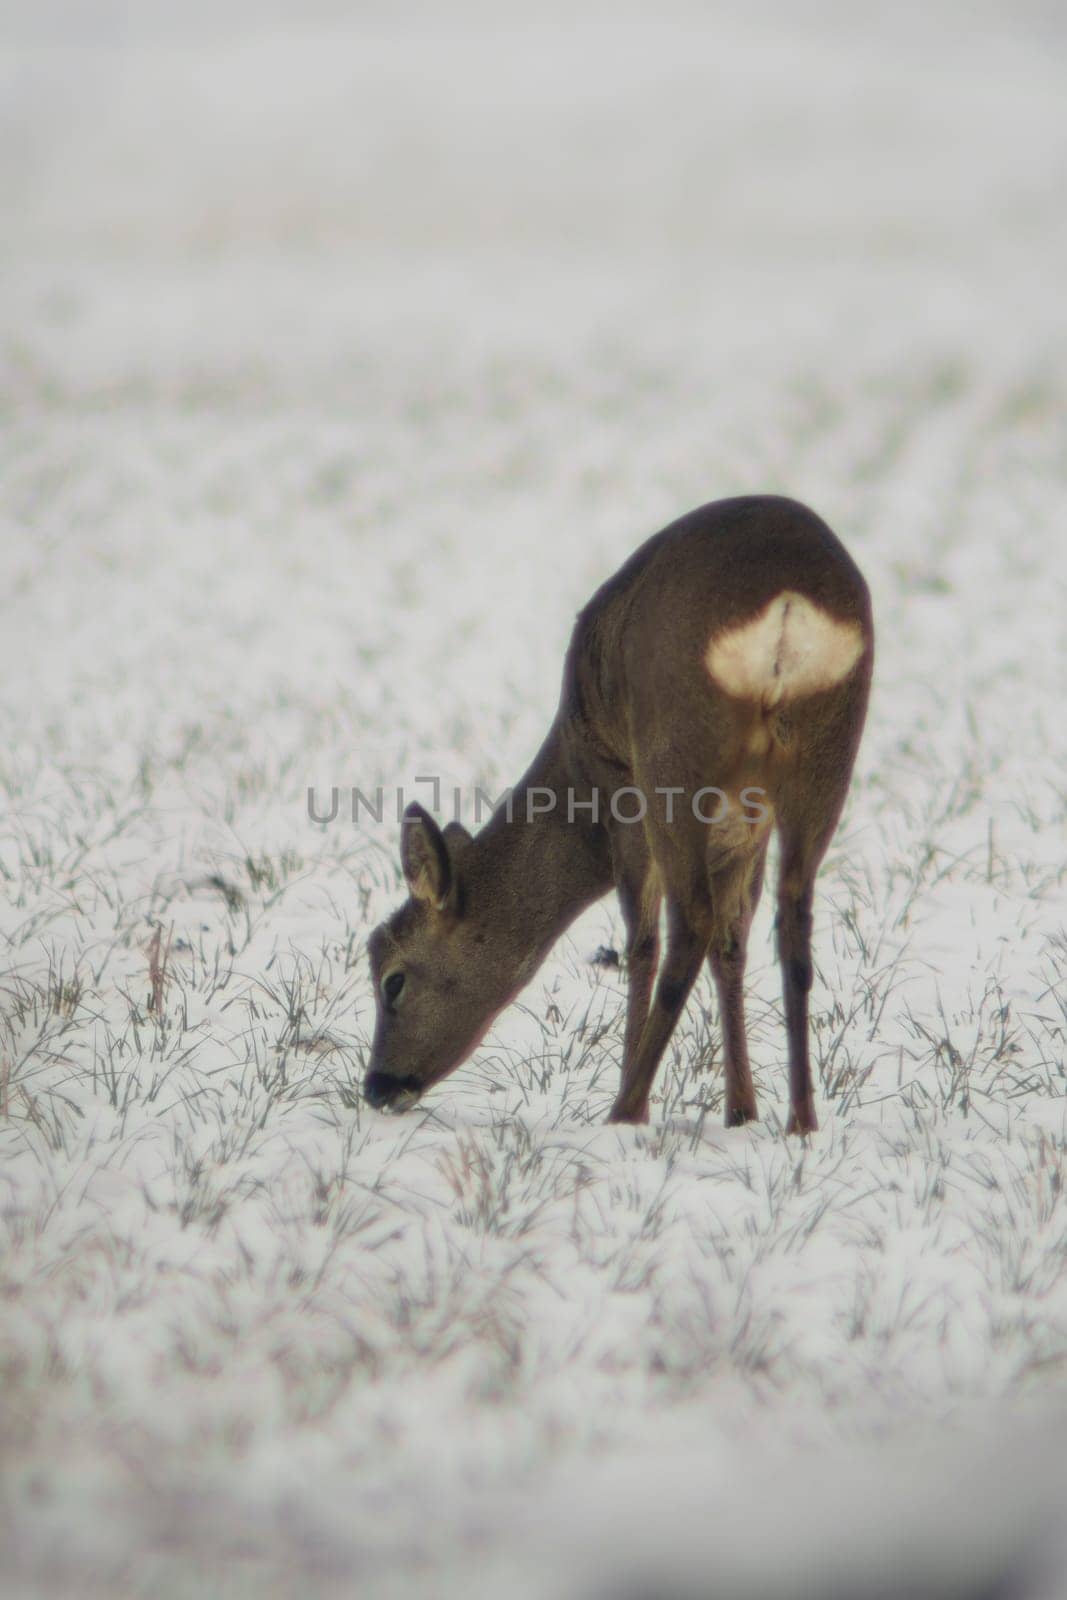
[541,859]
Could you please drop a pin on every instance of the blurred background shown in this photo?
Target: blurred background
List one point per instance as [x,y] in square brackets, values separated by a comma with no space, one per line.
[720,176]
[500,272]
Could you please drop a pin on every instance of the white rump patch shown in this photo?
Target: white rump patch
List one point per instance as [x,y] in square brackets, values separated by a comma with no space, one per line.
[789,649]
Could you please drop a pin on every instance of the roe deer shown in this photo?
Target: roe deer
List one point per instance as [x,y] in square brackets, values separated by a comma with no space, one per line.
[731,656]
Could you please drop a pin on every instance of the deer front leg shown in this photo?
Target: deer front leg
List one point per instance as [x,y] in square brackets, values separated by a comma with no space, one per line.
[726,957]
[639,899]
[686,947]
[727,963]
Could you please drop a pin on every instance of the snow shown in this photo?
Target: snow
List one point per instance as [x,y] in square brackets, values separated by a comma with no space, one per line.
[343,354]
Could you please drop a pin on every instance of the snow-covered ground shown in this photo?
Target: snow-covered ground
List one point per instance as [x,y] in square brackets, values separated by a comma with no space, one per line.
[341,359]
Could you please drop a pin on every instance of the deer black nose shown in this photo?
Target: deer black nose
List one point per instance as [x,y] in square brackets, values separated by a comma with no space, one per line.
[382,1089]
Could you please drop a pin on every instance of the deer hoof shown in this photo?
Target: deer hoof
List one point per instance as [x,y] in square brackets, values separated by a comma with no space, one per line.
[625,1114]
[802,1120]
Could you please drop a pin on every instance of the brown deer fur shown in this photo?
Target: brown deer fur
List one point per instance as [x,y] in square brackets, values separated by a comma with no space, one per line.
[733,650]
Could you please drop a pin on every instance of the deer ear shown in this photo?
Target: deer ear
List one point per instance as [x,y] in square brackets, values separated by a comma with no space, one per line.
[424,857]
[457,839]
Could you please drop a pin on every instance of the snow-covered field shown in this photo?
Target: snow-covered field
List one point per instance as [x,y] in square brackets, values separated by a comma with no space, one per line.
[341,359]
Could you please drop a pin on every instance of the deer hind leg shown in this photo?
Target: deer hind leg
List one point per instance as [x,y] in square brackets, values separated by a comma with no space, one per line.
[735,893]
[801,852]
[808,805]
[687,944]
[794,952]
[806,824]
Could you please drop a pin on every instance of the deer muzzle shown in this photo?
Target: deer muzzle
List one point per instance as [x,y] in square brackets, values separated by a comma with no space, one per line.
[386,1092]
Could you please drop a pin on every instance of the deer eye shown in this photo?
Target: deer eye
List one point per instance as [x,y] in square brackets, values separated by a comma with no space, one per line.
[392,984]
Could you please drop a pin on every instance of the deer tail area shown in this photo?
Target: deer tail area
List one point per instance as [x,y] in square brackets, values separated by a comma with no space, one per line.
[791,649]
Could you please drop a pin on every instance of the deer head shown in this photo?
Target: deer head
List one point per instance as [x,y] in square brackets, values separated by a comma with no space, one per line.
[443,965]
